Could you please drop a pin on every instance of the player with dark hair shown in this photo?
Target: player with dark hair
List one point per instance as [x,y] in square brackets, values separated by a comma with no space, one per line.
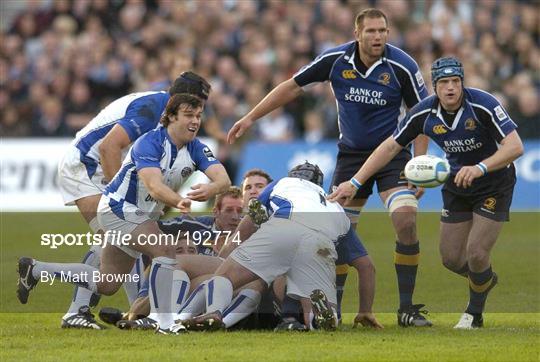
[373,82]
[481,142]
[156,166]
[255,180]
[94,157]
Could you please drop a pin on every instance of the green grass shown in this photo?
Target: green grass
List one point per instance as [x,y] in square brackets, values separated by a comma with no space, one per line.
[512,320]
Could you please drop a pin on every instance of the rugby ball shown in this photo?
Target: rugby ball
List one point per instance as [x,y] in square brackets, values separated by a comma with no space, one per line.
[427,171]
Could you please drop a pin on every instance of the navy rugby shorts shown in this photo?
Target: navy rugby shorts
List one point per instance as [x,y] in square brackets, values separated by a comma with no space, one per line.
[489,196]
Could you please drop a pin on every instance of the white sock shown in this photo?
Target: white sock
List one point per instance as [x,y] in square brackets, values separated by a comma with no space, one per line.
[76,273]
[132,287]
[194,305]
[180,290]
[81,296]
[245,303]
[219,292]
[161,276]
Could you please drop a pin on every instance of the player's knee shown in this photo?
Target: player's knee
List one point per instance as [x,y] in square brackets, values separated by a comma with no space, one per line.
[405,224]
[106,288]
[364,265]
[451,263]
[477,255]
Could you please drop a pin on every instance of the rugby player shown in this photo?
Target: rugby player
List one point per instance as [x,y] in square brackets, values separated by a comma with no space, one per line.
[296,241]
[373,83]
[155,168]
[94,157]
[226,212]
[481,142]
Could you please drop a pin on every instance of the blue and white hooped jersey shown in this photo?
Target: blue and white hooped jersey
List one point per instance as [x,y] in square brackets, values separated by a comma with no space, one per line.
[305,203]
[155,149]
[137,113]
[371,101]
[475,133]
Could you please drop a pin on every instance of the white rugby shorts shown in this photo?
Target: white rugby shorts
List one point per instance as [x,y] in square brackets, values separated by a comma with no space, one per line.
[73,178]
[282,246]
[109,220]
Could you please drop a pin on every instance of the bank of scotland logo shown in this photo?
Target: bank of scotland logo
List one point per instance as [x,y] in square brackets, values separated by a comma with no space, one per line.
[348,74]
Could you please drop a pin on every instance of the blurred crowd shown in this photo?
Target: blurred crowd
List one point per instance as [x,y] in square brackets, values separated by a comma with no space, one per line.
[62,61]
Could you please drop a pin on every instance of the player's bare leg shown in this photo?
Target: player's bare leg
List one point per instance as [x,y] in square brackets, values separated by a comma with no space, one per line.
[352,209]
[402,205]
[453,246]
[197,265]
[482,279]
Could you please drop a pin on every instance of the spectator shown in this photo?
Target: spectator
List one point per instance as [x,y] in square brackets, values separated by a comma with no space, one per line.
[51,119]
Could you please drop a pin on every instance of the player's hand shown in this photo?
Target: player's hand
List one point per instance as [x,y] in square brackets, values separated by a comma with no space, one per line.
[343,193]
[184,206]
[465,177]
[418,191]
[238,129]
[201,192]
[367,320]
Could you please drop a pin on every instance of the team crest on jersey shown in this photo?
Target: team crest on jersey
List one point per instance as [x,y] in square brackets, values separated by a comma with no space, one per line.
[490,203]
[384,78]
[348,74]
[439,129]
[470,124]
[186,172]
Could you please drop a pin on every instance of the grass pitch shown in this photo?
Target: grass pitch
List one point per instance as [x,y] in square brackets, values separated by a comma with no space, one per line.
[511,333]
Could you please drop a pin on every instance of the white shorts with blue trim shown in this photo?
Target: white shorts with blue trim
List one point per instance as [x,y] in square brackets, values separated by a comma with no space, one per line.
[73,179]
[120,217]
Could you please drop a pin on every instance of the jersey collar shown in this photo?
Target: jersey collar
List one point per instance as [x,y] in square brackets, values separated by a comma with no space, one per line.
[437,109]
[352,59]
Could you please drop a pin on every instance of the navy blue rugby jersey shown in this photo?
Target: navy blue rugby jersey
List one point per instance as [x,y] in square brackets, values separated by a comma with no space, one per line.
[371,101]
[473,135]
[198,224]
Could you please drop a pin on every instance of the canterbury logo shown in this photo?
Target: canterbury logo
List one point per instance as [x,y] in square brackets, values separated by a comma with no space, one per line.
[348,74]
[439,129]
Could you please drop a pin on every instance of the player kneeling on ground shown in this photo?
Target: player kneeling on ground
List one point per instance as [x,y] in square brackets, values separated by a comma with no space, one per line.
[481,142]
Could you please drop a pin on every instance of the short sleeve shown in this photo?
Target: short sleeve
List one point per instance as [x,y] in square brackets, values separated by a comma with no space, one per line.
[410,127]
[264,196]
[494,117]
[201,155]
[318,70]
[146,152]
[142,116]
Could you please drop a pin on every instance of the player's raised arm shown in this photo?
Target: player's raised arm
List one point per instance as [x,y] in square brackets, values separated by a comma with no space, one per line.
[220,182]
[378,159]
[279,96]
